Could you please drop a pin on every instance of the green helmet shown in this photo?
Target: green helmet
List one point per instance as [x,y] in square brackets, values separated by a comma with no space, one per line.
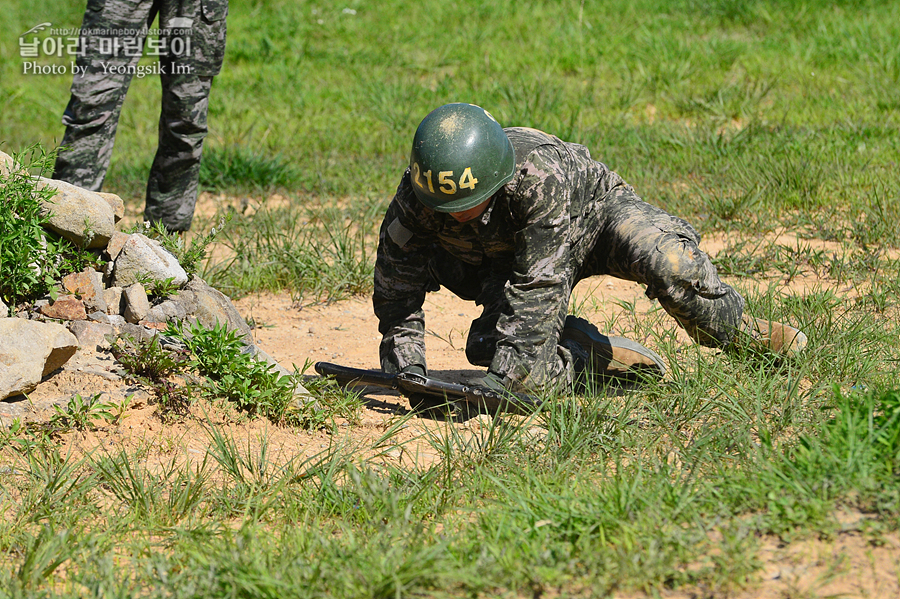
[460,157]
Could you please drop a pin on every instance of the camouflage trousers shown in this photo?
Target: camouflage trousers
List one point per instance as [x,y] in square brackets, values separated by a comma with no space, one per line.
[635,241]
[92,114]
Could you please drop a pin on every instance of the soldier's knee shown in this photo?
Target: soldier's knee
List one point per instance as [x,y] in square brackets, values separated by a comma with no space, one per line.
[680,264]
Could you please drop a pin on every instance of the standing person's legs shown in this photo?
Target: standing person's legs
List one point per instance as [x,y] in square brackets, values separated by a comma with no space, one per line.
[175,174]
[92,114]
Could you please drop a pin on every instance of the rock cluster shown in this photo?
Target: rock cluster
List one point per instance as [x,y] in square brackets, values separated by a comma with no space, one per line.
[90,305]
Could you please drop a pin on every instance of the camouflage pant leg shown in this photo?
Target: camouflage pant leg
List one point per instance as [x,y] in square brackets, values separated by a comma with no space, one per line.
[174,176]
[92,114]
[643,243]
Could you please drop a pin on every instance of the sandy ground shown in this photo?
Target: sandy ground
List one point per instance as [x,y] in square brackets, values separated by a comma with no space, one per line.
[345,332]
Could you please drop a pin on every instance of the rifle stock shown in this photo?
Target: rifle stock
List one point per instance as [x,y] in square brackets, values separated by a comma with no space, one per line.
[346,375]
[409,383]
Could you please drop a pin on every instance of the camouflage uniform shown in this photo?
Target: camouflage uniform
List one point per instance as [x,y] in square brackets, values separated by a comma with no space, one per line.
[97,95]
[563,217]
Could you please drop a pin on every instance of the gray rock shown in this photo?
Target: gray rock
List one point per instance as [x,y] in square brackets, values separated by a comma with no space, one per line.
[113,298]
[144,258]
[4,309]
[172,310]
[213,306]
[29,351]
[155,314]
[163,312]
[116,320]
[79,215]
[116,242]
[101,317]
[187,300]
[136,332]
[91,335]
[116,203]
[136,303]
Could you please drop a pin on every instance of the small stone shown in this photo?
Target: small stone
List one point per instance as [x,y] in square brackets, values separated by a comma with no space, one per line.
[115,245]
[137,332]
[89,285]
[91,334]
[30,351]
[166,311]
[113,298]
[116,320]
[4,309]
[154,315]
[187,300]
[66,307]
[174,310]
[116,203]
[136,303]
[98,316]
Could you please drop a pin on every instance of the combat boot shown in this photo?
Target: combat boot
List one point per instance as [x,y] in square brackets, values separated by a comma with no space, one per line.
[610,357]
[767,335]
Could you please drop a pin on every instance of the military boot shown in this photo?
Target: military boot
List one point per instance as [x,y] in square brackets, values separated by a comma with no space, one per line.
[610,357]
[767,335]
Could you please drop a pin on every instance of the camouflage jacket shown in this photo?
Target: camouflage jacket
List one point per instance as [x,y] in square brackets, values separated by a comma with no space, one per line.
[531,241]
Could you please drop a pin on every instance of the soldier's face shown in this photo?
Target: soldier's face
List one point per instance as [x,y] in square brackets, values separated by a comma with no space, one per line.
[471,213]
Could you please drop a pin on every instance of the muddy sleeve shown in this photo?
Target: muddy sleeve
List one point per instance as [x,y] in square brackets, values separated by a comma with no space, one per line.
[401,281]
[538,289]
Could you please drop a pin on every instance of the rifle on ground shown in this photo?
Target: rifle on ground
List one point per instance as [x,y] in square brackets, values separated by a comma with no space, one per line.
[414,386]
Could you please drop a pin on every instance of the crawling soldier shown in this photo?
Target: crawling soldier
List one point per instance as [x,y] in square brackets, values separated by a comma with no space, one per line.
[512,219]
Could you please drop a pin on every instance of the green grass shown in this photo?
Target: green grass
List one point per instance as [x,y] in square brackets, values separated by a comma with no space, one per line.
[743,116]
[736,115]
[672,487]
[587,506]
[317,100]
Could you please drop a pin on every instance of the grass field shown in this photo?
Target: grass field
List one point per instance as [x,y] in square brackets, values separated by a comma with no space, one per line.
[745,117]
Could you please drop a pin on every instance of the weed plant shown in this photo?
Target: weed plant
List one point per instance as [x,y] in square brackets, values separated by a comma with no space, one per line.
[31,258]
[148,363]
